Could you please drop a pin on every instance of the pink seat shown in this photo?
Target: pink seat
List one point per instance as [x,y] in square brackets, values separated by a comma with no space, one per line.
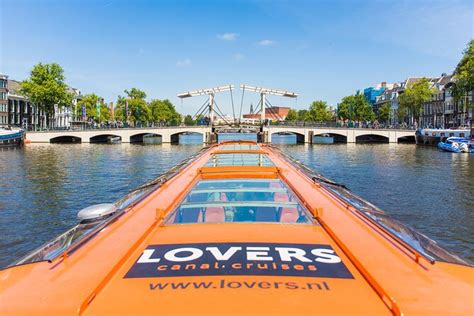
[215,214]
[281,197]
[275,185]
[289,215]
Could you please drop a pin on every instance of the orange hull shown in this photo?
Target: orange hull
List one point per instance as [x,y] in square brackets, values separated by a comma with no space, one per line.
[172,252]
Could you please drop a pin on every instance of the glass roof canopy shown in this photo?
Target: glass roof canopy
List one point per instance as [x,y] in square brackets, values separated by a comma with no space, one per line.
[235,199]
[239,159]
[240,200]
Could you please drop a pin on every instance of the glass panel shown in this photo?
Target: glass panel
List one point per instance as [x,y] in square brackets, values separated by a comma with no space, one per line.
[239,160]
[240,200]
[239,147]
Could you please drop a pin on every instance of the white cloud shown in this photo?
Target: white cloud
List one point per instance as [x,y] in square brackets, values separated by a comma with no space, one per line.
[228,36]
[184,63]
[239,56]
[266,42]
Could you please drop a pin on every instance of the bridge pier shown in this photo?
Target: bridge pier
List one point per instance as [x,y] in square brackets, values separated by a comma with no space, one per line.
[166,138]
[351,138]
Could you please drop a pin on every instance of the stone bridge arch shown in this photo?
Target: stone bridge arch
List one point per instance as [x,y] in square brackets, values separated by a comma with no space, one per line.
[372,137]
[175,137]
[338,137]
[300,137]
[65,139]
[103,138]
[138,138]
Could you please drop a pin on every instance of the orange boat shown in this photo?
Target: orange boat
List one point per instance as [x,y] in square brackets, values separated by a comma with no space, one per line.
[239,228]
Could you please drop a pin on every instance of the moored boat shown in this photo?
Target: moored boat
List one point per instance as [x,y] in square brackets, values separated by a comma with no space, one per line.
[323,139]
[238,228]
[152,139]
[456,145]
[11,137]
[114,139]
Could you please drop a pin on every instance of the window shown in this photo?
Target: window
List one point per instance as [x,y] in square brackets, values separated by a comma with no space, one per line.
[240,200]
[240,147]
[239,160]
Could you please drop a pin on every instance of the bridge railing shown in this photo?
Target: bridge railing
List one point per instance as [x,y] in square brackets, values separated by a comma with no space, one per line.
[111,127]
[332,124]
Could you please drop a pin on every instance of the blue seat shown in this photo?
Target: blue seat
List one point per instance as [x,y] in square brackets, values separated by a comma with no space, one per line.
[266,214]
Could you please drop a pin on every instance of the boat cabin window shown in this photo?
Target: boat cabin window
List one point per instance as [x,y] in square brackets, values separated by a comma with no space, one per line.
[240,200]
[236,159]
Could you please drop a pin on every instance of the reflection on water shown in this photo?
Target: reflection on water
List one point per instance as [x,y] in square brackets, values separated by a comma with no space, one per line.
[43,186]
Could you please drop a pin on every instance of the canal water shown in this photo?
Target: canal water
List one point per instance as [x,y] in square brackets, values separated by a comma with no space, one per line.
[42,186]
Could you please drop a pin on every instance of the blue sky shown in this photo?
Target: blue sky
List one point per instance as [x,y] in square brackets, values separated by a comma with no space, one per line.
[322,50]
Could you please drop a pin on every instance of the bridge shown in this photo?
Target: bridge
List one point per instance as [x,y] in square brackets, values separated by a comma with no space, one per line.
[127,135]
[346,135]
[171,134]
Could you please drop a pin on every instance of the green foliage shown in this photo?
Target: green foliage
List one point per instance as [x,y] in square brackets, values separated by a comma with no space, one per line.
[188,120]
[318,112]
[292,115]
[46,87]
[343,111]
[464,73]
[90,101]
[135,93]
[415,95]
[356,108]
[163,111]
[139,110]
[384,112]
[303,115]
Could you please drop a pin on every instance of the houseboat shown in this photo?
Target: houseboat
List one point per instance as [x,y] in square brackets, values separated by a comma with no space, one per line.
[11,137]
[239,228]
[432,137]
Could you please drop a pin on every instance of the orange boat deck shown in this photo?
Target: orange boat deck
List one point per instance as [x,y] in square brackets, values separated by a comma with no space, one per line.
[171,253]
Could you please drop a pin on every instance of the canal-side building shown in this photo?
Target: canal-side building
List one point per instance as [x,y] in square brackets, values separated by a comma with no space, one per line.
[435,111]
[3,100]
[17,110]
[21,112]
[274,113]
[389,96]
[371,93]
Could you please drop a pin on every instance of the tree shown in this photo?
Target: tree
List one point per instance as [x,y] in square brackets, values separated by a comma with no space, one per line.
[318,112]
[415,95]
[133,107]
[292,115]
[90,102]
[464,77]
[384,112]
[303,115]
[188,120]
[163,111]
[46,88]
[135,93]
[464,72]
[139,111]
[343,111]
[356,108]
